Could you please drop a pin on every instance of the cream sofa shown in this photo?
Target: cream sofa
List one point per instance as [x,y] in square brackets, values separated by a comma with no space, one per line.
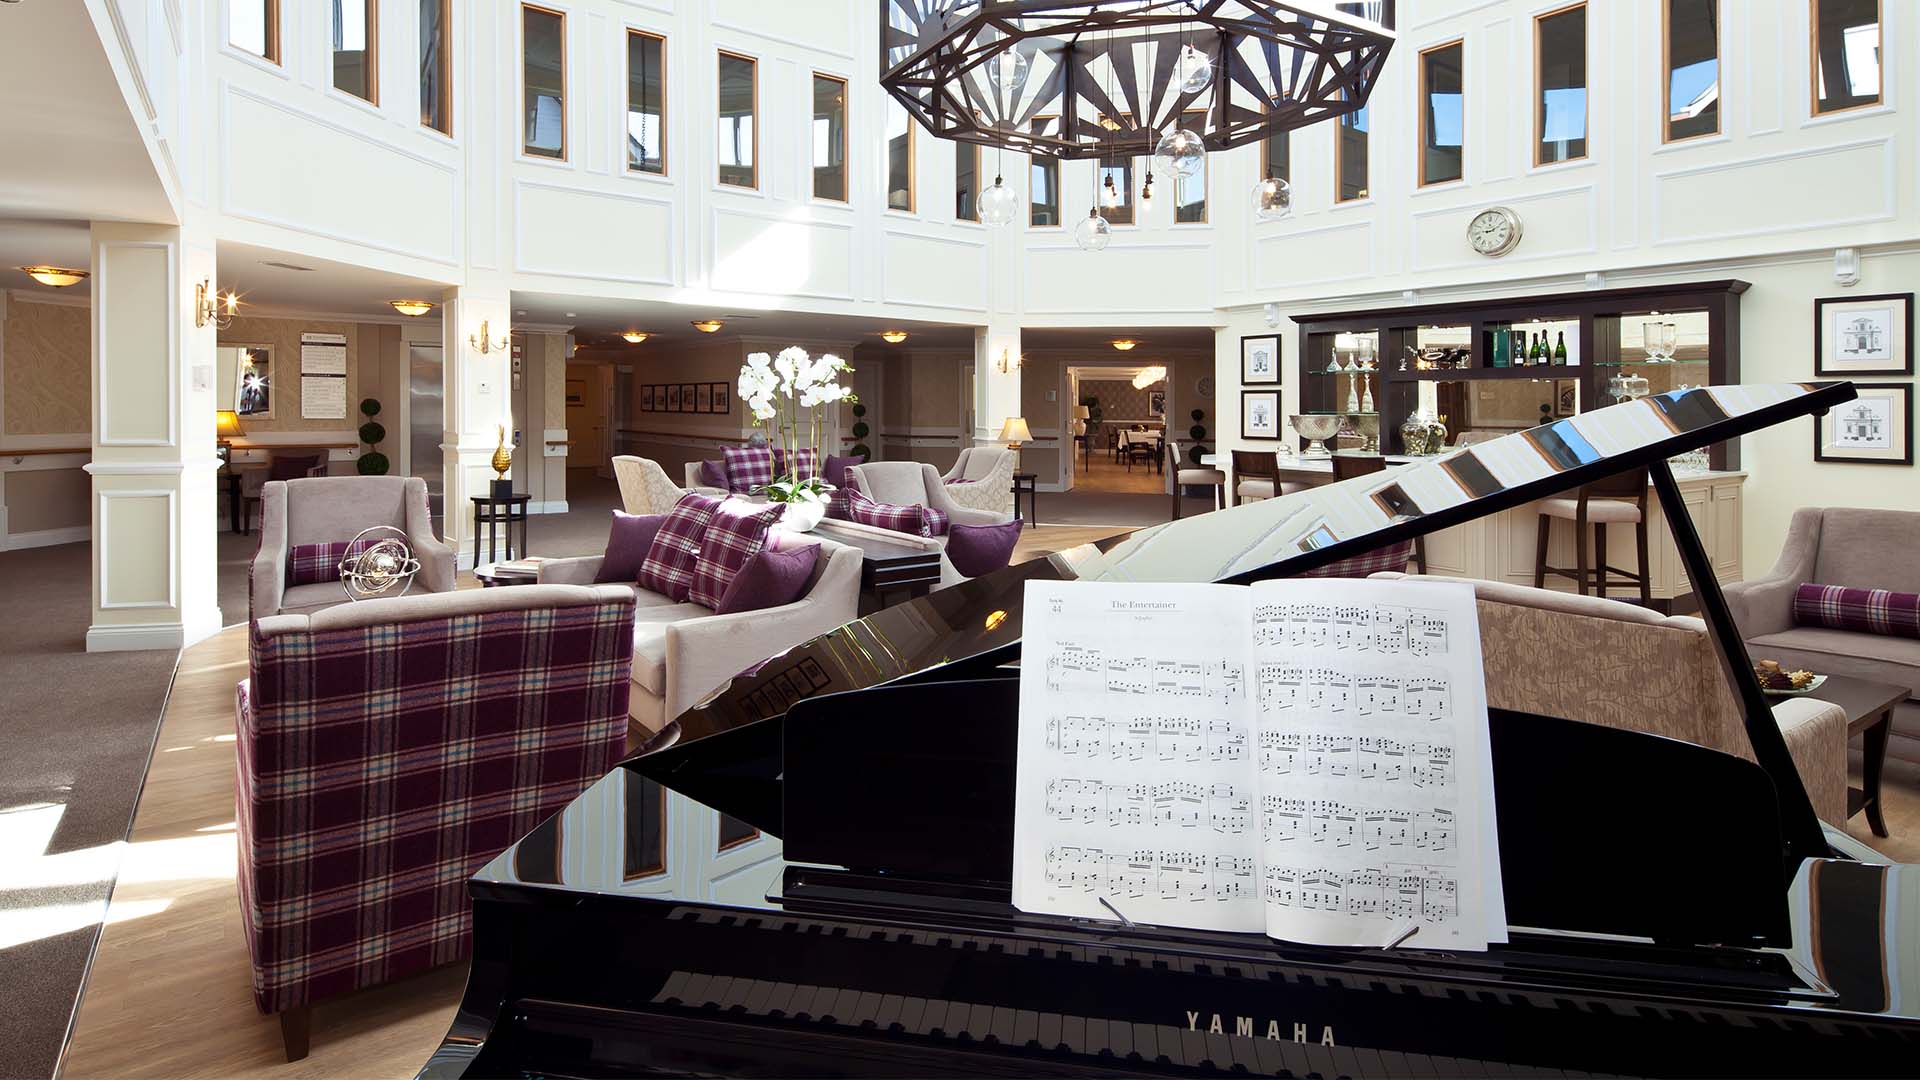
[684,652]
[1605,662]
[988,472]
[333,510]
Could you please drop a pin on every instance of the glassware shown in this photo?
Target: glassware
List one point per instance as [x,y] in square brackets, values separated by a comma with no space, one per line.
[1650,340]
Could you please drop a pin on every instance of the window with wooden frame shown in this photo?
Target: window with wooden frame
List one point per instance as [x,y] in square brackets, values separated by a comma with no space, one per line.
[356,48]
[646,103]
[1276,156]
[829,138]
[1846,54]
[1043,182]
[899,159]
[1350,156]
[254,26]
[1690,48]
[436,65]
[739,106]
[1190,192]
[1560,85]
[966,181]
[1443,114]
[543,78]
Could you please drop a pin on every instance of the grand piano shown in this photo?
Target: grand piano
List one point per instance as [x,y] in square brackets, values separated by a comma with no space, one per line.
[808,873]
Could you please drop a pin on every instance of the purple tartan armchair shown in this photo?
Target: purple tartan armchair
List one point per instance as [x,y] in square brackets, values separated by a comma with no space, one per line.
[388,749]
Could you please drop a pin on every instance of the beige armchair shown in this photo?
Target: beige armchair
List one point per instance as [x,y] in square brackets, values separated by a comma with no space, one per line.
[696,482]
[307,524]
[645,487]
[988,475]
[915,483]
[1868,549]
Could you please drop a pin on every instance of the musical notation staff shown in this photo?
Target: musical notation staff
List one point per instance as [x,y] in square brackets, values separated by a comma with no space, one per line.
[1388,629]
[1165,874]
[1417,763]
[1083,669]
[1397,892]
[1330,693]
[1223,808]
[1289,821]
[1147,738]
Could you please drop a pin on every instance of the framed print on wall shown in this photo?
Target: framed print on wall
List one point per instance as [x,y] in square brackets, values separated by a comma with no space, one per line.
[1863,335]
[722,399]
[686,397]
[1875,428]
[1260,414]
[1260,359]
[673,397]
[646,398]
[703,398]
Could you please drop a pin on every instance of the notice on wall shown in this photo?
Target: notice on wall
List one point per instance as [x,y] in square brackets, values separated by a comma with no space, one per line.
[323,354]
[323,397]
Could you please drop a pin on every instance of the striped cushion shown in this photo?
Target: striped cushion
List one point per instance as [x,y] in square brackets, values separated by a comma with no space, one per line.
[311,564]
[734,534]
[749,468]
[669,566]
[1392,557]
[1865,611]
[910,519]
[806,464]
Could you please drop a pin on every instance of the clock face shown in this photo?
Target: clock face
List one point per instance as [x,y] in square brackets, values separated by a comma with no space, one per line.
[1494,232]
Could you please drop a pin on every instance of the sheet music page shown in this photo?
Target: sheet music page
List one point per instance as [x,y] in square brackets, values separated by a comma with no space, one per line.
[1374,766]
[1135,781]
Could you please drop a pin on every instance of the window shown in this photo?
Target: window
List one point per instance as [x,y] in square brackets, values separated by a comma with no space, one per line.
[1846,51]
[899,159]
[1043,196]
[966,182]
[829,138]
[1693,69]
[1442,115]
[739,101]
[436,65]
[646,103]
[1114,176]
[1560,81]
[543,67]
[1350,156]
[1190,192]
[356,54]
[254,25]
[1276,156]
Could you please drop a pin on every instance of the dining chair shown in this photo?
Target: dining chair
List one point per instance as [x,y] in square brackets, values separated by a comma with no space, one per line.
[1347,466]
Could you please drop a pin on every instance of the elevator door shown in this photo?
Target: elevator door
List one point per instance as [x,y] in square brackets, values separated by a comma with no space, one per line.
[425,419]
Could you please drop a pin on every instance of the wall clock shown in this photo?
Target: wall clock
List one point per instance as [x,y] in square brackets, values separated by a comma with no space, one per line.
[1494,231]
[1204,386]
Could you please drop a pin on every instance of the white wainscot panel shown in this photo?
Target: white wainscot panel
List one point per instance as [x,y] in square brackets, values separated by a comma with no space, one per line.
[933,271]
[1313,256]
[576,232]
[287,168]
[815,24]
[766,253]
[1553,225]
[1128,277]
[136,558]
[1846,184]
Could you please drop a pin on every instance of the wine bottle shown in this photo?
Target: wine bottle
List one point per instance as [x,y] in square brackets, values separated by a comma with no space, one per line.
[1539,354]
[1560,349]
[1519,348]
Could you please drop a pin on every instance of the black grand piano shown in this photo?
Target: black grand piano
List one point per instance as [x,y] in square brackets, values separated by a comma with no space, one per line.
[808,874]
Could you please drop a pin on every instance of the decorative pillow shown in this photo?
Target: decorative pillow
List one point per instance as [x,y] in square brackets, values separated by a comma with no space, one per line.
[627,545]
[906,519]
[668,567]
[749,468]
[958,480]
[731,538]
[770,579]
[311,564]
[835,470]
[806,464]
[1392,557]
[1865,611]
[713,473]
[981,549]
[840,503]
[933,521]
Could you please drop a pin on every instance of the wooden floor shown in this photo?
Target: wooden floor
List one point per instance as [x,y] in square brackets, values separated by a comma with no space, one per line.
[1102,473]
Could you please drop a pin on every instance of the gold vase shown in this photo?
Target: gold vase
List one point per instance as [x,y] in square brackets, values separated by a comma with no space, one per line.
[502,455]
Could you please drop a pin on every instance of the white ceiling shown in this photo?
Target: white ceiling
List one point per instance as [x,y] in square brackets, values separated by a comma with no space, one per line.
[269,284]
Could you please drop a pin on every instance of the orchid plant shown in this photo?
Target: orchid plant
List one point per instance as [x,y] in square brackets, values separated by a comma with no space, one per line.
[775,389]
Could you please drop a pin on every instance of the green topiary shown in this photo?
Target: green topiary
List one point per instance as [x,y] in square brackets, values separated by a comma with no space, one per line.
[373,463]
[1198,415]
[370,406]
[859,409]
[861,449]
[1196,432]
[371,432]
[861,430]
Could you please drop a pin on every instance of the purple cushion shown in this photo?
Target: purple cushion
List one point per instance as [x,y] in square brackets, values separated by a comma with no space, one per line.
[311,564]
[749,468]
[668,568]
[981,549]
[713,473]
[735,533]
[835,469]
[627,545]
[1864,611]
[908,519]
[769,579]
[1392,557]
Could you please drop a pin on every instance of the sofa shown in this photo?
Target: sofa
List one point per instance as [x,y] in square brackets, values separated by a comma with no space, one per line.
[682,652]
[307,524]
[1859,549]
[982,479]
[387,749]
[1606,662]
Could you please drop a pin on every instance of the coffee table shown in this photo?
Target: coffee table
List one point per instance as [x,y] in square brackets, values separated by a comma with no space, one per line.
[1869,707]
[887,567]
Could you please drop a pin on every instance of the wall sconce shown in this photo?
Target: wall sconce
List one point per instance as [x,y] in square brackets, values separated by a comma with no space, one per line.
[211,307]
[483,342]
[1006,358]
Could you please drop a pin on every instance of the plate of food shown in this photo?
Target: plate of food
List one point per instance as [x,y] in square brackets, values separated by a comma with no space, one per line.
[1779,682]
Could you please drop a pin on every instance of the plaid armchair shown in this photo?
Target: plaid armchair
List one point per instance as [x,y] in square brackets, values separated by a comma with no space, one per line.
[387,749]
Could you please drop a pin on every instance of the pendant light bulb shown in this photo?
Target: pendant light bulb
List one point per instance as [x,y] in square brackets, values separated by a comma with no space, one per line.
[1180,153]
[1193,71]
[999,203]
[1093,233]
[1008,69]
[1111,192]
[1146,193]
[1272,199]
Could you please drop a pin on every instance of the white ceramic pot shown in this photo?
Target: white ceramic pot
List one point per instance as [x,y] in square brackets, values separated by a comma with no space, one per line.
[803,516]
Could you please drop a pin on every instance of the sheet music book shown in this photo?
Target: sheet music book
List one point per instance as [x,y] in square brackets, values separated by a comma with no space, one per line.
[1307,759]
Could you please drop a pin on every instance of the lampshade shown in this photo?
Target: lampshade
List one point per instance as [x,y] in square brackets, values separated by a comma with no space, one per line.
[226,424]
[1015,431]
[1082,412]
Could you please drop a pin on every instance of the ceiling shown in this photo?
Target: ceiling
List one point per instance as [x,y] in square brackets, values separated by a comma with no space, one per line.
[43,242]
[272,282]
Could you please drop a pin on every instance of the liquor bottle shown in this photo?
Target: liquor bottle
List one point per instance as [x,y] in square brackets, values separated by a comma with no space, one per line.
[1519,348]
[1560,349]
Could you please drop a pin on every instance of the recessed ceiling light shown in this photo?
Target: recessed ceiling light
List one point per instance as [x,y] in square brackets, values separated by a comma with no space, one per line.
[414,308]
[1125,344]
[708,326]
[289,266]
[893,337]
[521,312]
[635,337]
[57,276]
[569,314]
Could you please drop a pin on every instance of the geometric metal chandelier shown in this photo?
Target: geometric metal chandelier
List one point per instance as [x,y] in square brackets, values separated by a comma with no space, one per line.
[1078,80]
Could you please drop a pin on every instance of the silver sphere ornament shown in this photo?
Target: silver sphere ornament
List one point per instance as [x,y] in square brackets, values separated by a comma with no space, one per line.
[1093,233]
[998,204]
[1193,71]
[1272,199]
[378,566]
[1179,153]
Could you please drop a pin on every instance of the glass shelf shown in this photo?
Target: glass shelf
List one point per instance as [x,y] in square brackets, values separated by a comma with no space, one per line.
[1698,361]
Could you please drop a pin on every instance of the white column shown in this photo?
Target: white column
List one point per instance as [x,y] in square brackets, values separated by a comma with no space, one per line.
[153,465]
[996,393]
[477,401]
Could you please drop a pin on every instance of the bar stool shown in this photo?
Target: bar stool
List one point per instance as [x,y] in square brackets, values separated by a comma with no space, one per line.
[1617,500]
[1256,475]
[1198,475]
[1347,466]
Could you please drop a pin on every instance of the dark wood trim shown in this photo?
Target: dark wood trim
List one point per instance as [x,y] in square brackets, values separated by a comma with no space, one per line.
[1595,299]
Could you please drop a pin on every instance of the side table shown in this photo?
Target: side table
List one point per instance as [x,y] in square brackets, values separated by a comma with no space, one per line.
[1869,707]
[1030,484]
[492,513]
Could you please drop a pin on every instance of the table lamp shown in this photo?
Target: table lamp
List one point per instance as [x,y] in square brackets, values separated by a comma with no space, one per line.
[226,427]
[1081,414]
[1013,433]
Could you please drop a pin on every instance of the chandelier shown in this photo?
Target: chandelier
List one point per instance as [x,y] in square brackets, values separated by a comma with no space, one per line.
[1147,376]
[1078,80]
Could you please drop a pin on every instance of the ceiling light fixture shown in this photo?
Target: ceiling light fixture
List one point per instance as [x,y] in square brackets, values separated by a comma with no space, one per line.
[210,307]
[893,337]
[1147,376]
[635,337]
[57,276]
[1125,344]
[708,326]
[412,308]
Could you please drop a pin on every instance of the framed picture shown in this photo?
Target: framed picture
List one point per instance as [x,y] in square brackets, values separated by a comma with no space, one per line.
[703,397]
[1875,428]
[673,397]
[1157,401]
[686,397]
[1260,414]
[1260,359]
[722,398]
[1863,335]
[646,398]
[1566,397]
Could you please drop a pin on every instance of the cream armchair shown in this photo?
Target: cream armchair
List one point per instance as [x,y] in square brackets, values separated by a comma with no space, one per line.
[988,472]
[915,483]
[306,525]
[697,482]
[645,487]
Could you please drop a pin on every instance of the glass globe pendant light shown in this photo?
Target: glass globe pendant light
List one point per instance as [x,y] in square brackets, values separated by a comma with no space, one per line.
[1179,153]
[1008,69]
[998,204]
[1192,71]
[1272,199]
[1093,233]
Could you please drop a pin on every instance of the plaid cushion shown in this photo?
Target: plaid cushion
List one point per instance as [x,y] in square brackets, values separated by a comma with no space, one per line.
[381,766]
[806,464]
[958,480]
[1865,611]
[310,564]
[933,521]
[909,519]
[839,503]
[1391,557]
[730,539]
[669,565]
[749,468]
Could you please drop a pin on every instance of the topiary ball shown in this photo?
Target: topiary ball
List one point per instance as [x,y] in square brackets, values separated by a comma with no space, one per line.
[371,432]
[859,409]
[374,463]
[370,406]
[861,430]
[1197,432]
[1198,415]
[862,449]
